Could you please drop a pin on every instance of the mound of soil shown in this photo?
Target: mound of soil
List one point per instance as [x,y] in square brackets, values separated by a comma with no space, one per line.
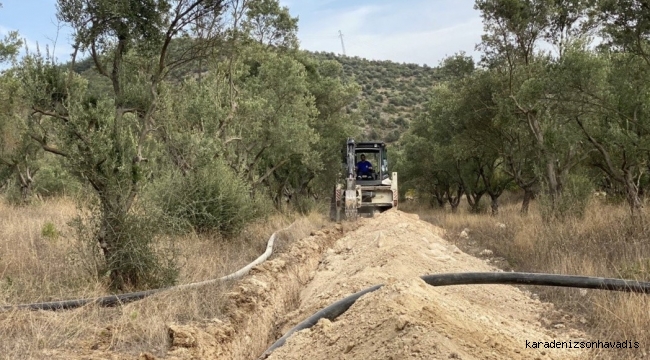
[407,318]
[256,303]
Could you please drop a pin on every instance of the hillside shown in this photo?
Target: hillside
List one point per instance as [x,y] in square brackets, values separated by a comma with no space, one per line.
[391,92]
[390,95]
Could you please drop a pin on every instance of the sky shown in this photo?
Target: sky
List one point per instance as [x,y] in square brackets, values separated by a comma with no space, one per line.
[409,31]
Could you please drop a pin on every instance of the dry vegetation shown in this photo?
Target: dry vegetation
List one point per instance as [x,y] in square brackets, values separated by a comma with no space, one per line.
[604,243]
[40,262]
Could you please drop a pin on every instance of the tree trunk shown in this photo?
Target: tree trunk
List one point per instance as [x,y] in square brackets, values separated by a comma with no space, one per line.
[26,183]
[454,207]
[25,191]
[279,195]
[494,204]
[117,251]
[439,199]
[454,201]
[108,239]
[474,201]
[441,202]
[633,199]
[553,183]
[529,194]
[476,206]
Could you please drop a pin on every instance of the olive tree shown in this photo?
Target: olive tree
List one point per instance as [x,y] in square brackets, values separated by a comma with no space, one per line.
[105,138]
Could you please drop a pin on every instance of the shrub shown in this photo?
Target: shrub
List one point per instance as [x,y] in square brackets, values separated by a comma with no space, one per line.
[212,198]
[49,231]
[306,204]
[390,109]
[392,136]
[401,121]
[140,257]
[11,192]
[52,180]
[571,203]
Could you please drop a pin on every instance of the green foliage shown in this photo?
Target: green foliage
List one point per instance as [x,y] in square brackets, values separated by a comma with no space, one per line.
[457,66]
[141,255]
[521,108]
[306,176]
[389,87]
[9,46]
[534,118]
[304,205]
[53,180]
[625,25]
[19,155]
[270,24]
[49,231]
[211,198]
[572,203]
[105,138]
[428,163]
[139,24]
[392,136]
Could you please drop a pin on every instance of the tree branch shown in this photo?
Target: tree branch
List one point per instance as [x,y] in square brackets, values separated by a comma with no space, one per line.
[95,57]
[46,147]
[600,149]
[56,115]
[269,172]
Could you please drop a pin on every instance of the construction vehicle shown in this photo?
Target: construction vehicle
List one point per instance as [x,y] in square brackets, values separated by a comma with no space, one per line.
[364,187]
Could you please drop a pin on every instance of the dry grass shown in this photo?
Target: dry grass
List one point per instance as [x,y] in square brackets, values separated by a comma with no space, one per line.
[36,267]
[604,243]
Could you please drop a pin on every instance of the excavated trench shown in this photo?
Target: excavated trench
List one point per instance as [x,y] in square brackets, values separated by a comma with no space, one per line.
[257,305]
[357,291]
[405,318]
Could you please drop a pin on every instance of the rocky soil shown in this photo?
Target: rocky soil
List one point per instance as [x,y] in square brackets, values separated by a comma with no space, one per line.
[406,318]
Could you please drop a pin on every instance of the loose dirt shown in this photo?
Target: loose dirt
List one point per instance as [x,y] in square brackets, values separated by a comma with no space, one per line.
[406,318]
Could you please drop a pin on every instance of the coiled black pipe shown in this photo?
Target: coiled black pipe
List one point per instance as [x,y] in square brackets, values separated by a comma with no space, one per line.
[516,278]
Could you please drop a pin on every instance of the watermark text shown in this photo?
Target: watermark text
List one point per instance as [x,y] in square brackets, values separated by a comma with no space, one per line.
[582,344]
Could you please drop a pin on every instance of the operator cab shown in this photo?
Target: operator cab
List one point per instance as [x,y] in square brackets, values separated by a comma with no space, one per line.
[371,163]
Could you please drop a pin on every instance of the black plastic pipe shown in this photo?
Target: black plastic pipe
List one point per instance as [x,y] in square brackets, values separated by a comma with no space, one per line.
[514,278]
[113,300]
[110,300]
[519,278]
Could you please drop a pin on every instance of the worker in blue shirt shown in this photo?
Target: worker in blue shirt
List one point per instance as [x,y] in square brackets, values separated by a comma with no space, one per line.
[364,167]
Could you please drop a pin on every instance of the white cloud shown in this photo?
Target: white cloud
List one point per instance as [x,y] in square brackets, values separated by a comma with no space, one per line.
[415,31]
[421,47]
[352,21]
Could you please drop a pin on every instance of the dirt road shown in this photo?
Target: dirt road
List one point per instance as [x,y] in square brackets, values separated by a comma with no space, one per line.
[404,319]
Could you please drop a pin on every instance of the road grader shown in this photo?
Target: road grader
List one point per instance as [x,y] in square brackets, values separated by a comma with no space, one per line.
[364,186]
